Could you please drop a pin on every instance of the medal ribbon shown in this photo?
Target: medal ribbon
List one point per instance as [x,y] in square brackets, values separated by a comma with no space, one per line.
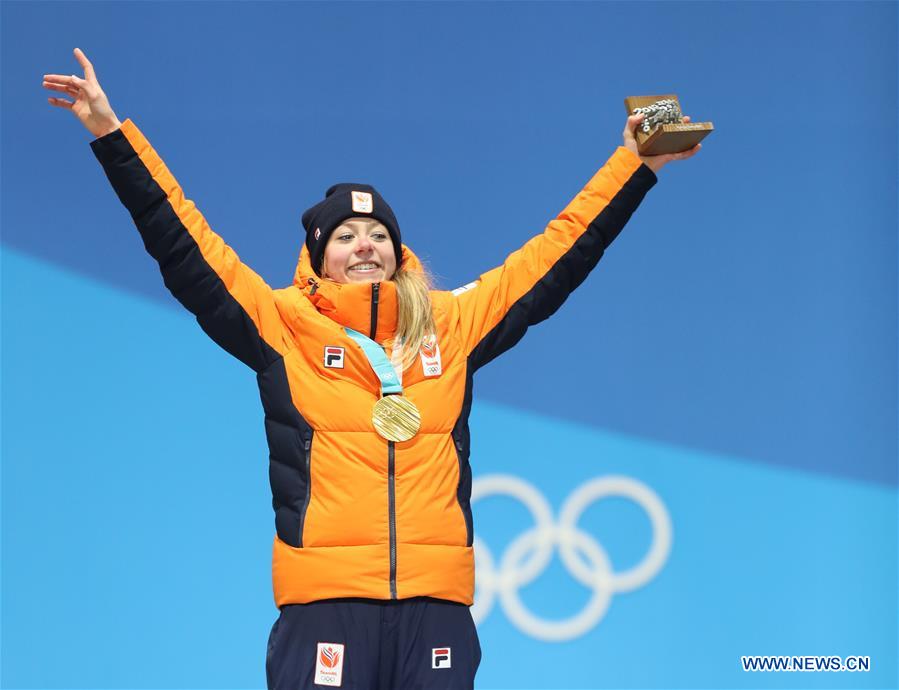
[390,382]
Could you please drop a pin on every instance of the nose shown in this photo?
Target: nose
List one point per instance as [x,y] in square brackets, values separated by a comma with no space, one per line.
[364,245]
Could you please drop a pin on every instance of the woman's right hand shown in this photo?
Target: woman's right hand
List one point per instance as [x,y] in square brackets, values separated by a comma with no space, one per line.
[90,106]
[654,163]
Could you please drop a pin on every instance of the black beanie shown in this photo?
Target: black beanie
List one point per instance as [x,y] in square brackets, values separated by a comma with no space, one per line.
[347,200]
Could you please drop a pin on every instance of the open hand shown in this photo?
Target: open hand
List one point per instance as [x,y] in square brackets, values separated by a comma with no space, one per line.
[654,163]
[90,106]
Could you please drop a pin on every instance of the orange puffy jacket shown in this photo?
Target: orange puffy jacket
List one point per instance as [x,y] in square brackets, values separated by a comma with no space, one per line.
[356,515]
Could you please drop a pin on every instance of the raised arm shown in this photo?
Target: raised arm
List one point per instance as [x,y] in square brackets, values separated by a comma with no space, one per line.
[232,303]
[496,310]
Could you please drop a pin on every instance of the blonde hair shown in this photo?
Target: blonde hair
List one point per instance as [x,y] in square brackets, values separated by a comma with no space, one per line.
[415,323]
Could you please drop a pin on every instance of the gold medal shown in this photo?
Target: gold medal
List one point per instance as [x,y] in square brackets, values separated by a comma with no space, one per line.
[396,418]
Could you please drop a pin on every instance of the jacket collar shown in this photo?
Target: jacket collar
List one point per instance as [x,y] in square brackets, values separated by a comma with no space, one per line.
[364,307]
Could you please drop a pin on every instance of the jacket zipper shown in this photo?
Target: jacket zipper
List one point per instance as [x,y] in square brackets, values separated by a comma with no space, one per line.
[391,501]
[391,457]
[375,292]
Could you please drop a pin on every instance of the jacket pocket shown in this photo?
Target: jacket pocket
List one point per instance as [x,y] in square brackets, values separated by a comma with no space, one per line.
[307,459]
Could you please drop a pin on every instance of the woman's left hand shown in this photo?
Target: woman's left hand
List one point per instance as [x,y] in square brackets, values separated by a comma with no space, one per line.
[654,163]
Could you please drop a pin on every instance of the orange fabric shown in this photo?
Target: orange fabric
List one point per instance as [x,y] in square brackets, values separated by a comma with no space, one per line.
[310,574]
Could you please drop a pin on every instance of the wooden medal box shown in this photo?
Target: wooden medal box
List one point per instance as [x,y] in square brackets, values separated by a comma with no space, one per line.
[666,138]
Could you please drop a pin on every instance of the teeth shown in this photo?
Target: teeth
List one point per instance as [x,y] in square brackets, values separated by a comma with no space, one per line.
[363,267]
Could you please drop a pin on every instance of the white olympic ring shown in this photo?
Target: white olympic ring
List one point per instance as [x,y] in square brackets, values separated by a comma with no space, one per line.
[531,552]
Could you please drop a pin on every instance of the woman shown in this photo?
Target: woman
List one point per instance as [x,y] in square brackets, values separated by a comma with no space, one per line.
[373,569]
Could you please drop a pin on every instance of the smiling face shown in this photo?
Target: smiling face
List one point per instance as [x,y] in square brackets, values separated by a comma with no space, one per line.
[359,251]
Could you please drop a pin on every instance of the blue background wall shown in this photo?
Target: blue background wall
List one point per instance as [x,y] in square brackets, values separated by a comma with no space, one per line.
[735,351]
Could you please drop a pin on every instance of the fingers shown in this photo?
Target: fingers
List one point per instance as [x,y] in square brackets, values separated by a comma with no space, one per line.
[60,102]
[85,63]
[632,123]
[64,81]
[661,160]
[58,86]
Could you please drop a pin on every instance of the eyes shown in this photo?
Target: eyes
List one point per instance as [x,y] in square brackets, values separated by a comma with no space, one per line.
[377,236]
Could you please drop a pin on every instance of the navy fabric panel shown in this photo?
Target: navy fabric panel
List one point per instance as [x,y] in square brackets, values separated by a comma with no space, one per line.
[548,293]
[287,433]
[462,441]
[185,271]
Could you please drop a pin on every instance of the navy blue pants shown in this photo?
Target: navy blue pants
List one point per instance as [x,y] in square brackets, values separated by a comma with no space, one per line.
[373,644]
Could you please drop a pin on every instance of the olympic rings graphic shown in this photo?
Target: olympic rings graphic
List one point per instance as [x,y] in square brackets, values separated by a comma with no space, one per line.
[531,552]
